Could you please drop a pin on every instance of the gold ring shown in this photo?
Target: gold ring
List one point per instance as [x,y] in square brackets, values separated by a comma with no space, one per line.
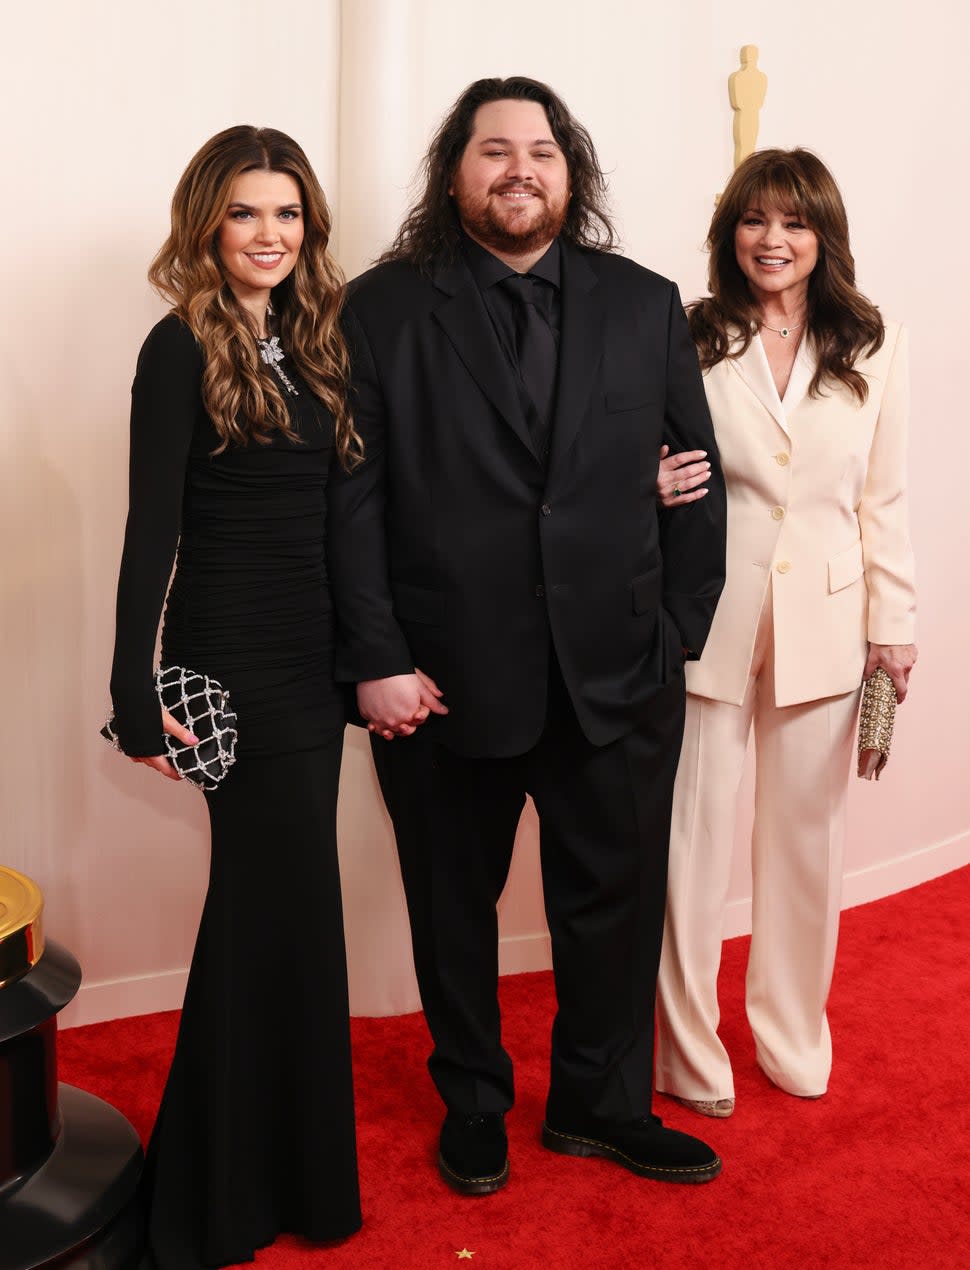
[676,491]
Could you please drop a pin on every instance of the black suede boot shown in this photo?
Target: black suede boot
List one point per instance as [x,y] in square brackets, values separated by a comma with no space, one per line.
[643,1146]
[474,1153]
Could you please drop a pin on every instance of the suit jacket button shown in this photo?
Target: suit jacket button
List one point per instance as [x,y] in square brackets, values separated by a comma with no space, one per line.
[783,566]
[782,459]
[540,590]
[546,509]
[777,513]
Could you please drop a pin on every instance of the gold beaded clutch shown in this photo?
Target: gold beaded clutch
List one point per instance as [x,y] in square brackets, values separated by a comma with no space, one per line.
[876,718]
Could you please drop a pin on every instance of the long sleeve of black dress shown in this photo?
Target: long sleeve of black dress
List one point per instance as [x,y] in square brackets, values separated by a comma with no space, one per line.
[165,405]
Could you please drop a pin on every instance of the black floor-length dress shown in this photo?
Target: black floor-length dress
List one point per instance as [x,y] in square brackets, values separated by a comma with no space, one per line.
[255,1134]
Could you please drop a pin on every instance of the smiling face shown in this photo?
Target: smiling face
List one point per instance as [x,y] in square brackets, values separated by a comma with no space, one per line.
[261,234]
[511,188]
[776,252]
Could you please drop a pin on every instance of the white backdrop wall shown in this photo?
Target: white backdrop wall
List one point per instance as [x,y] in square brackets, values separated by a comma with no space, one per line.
[104,106]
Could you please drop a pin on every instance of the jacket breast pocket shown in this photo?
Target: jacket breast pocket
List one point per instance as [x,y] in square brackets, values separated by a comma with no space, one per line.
[417,603]
[646,590]
[846,567]
[635,399]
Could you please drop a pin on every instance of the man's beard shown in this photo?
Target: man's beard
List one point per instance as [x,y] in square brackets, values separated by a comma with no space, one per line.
[483,224]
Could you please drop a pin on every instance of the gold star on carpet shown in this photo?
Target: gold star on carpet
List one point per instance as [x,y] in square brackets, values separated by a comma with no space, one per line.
[464,1255]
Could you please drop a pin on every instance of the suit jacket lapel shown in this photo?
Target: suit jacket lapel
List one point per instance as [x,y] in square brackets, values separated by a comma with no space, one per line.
[580,348]
[801,376]
[465,321]
[752,367]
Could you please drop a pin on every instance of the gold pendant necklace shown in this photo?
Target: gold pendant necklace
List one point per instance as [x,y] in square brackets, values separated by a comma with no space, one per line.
[783,331]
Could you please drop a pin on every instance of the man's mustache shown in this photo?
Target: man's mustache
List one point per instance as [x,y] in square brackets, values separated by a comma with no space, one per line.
[523,187]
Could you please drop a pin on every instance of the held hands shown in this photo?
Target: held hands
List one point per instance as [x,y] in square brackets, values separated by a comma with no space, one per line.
[398,705]
[682,473]
[897,660]
[160,762]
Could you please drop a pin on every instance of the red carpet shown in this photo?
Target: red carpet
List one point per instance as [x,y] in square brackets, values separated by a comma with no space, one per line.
[873,1175]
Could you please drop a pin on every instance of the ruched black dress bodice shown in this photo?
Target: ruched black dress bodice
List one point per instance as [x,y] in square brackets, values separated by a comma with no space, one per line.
[249,602]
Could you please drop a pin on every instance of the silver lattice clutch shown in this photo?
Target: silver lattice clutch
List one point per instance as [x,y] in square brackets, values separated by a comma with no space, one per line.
[202,705]
[876,717]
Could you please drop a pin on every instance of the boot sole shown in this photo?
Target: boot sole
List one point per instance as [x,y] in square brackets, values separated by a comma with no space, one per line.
[472,1185]
[573,1144]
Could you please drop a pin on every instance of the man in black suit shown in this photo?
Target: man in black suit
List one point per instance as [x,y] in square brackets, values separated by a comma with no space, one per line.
[513,381]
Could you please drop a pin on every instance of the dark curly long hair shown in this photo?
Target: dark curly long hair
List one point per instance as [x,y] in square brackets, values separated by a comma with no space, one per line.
[842,324]
[244,403]
[430,233]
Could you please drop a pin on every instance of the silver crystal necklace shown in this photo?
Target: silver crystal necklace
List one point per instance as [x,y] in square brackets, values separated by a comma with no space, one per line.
[272,355]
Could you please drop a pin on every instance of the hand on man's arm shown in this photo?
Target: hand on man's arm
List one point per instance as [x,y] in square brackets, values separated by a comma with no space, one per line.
[692,540]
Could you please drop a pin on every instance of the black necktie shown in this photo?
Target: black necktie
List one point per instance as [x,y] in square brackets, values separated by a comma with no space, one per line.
[536,351]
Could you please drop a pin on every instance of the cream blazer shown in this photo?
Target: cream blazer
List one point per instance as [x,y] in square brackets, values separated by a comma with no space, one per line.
[817,510]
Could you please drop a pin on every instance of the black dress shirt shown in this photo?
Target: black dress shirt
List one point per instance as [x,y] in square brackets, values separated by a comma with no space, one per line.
[488,271]
[502,307]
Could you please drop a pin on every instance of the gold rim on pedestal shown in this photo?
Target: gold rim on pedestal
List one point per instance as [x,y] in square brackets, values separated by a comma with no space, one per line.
[21,927]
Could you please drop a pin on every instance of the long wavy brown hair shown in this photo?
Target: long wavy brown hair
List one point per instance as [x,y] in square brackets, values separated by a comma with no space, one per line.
[431,232]
[242,399]
[840,321]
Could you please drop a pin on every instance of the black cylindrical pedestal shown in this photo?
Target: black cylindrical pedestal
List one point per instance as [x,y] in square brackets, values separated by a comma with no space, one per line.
[69,1163]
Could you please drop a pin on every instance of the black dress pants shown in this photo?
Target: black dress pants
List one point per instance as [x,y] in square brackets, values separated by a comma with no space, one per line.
[604,816]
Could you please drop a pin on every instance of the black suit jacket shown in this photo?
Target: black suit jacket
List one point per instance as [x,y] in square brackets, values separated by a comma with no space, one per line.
[454,547]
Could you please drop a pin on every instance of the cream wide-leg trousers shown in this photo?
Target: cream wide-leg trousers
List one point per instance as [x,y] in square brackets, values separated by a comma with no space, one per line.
[802,760]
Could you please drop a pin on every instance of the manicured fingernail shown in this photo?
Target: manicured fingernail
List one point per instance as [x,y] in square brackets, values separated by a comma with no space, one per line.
[194,740]
[703,454]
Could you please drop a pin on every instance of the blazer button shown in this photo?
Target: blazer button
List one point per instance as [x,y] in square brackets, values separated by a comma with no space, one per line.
[782,459]
[540,590]
[777,513]
[783,566]
[546,509]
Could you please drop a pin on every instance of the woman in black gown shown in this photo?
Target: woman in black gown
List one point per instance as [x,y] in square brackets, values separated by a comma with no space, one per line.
[238,414]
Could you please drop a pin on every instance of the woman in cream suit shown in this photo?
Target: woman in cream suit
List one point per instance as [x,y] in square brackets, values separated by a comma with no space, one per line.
[807,387]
